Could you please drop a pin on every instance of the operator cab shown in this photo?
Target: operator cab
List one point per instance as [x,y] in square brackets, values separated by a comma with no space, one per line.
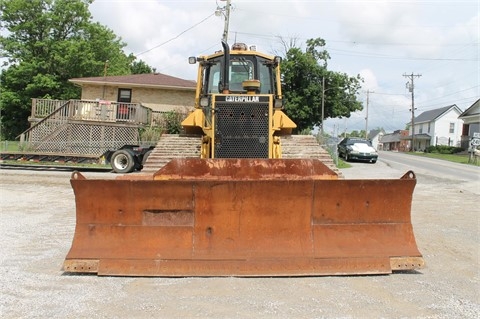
[248,71]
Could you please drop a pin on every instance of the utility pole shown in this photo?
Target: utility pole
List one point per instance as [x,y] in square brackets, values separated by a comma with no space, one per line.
[105,69]
[366,116]
[220,11]
[411,87]
[323,103]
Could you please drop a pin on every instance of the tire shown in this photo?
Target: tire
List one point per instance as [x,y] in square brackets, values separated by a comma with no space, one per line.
[373,161]
[145,157]
[122,162]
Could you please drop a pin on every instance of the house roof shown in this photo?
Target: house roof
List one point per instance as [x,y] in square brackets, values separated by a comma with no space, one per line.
[373,133]
[390,138]
[394,137]
[473,110]
[421,136]
[152,80]
[431,115]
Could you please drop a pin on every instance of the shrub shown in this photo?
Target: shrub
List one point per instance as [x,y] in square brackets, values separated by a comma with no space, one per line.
[151,134]
[457,150]
[173,122]
[443,149]
[431,149]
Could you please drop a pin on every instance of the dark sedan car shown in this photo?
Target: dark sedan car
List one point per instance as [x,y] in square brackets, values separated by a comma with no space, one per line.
[354,148]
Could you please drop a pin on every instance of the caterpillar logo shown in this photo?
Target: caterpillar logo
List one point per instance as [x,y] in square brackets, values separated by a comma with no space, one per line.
[244,98]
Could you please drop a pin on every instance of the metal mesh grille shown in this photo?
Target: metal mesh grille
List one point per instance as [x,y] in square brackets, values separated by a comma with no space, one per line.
[241,130]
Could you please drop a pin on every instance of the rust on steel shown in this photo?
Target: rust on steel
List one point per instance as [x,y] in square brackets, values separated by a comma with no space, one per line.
[242,217]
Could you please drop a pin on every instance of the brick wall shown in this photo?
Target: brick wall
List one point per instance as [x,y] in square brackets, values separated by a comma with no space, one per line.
[157,99]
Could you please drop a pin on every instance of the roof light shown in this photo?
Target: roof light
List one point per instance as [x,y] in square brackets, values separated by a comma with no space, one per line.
[239,46]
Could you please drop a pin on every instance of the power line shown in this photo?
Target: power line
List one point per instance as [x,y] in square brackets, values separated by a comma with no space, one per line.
[373,55]
[380,93]
[392,57]
[433,106]
[176,37]
[409,44]
[453,93]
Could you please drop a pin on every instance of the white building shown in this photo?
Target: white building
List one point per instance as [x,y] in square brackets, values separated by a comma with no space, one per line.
[375,136]
[437,127]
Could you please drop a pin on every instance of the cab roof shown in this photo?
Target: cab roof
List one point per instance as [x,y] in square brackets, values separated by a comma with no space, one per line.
[239,49]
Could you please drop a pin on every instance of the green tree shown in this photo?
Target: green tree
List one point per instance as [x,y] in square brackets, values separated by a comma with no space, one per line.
[356,133]
[47,43]
[140,67]
[304,72]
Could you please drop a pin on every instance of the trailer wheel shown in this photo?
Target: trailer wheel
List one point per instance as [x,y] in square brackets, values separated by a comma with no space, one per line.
[122,161]
[145,157]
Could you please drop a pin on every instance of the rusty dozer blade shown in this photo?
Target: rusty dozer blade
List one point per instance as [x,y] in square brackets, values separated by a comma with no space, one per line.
[242,217]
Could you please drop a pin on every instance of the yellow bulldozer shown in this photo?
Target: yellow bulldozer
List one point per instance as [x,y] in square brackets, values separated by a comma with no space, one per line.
[239,208]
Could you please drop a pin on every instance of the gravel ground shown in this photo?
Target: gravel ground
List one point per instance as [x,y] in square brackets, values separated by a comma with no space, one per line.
[36,228]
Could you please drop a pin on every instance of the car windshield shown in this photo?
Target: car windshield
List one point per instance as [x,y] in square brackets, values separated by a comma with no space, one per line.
[351,142]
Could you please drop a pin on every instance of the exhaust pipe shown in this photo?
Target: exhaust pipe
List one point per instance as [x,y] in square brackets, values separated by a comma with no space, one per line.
[226,62]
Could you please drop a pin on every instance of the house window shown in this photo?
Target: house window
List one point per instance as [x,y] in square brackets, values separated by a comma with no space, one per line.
[124,111]
[124,95]
[452,127]
[420,131]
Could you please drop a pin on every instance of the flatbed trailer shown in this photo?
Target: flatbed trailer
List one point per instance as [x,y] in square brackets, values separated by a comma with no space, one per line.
[48,157]
[83,132]
[126,159]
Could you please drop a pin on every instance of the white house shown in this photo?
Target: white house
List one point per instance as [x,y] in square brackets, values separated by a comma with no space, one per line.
[437,127]
[375,136]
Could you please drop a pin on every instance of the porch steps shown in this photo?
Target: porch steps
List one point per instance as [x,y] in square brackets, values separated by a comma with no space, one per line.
[172,146]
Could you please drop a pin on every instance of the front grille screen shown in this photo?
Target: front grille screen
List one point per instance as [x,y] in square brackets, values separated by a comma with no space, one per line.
[241,130]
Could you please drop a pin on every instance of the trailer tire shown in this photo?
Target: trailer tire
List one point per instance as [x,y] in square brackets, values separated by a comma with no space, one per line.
[122,161]
[145,157]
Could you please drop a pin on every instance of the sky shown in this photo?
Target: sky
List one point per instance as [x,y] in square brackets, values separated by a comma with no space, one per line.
[437,41]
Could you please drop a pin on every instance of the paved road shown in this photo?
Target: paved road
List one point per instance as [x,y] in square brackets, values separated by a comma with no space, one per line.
[427,170]
[36,227]
[432,167]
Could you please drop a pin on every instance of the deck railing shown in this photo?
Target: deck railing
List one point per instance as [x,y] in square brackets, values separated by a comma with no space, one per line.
[42,108]
[93,110]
